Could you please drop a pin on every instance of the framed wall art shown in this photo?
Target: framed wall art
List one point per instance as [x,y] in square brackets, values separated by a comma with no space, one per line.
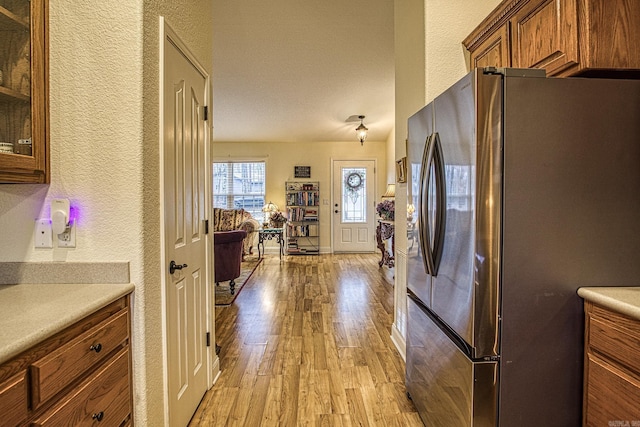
[302,171]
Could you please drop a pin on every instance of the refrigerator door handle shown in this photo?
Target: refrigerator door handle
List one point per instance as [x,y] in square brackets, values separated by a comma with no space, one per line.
[425,246]
[432,157]
[441,200]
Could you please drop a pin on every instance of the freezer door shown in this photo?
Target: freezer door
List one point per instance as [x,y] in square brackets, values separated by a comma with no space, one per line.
[420,128]
[447,388]
[465,288]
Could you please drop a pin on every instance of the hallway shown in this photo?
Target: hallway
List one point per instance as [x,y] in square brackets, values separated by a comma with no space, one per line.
[307,343]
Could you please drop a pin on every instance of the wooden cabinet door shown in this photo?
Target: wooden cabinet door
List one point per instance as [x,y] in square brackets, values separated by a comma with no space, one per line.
[610,31]
[611,367]
[24,146]
[544,34]
[494,51]
[13,400]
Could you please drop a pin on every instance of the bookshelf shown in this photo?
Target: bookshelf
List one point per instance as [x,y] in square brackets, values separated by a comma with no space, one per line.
[303,228]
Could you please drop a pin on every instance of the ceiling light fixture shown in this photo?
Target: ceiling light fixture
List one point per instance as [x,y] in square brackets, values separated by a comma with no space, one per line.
[361,131]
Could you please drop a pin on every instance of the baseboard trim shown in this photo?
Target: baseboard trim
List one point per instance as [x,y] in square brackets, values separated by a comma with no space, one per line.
[216,370]
[399,342]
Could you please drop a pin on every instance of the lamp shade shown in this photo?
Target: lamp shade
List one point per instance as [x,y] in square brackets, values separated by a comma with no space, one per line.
[390,193]
[270,207]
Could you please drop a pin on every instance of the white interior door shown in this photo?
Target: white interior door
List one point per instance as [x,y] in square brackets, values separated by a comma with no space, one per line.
[353,205]
[184,135]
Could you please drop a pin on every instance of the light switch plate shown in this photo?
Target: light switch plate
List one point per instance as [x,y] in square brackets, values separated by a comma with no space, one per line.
[43,236]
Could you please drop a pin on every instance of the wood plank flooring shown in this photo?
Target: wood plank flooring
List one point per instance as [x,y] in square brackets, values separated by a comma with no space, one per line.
[306,343]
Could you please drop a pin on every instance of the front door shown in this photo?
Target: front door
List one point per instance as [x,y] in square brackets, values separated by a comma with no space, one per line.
[184,139]
[353,206]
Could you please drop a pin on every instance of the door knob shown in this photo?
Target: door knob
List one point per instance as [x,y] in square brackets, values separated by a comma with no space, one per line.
[336,211]
[173,267]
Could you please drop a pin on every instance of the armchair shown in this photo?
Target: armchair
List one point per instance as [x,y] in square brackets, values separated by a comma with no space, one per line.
[227,256]
[237,219]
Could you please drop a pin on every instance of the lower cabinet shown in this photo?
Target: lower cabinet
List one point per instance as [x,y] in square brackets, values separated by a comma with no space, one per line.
[13,400]
[80,376]
[612,368]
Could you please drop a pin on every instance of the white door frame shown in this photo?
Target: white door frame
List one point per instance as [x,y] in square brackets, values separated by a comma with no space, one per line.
[213,364]
[333,178]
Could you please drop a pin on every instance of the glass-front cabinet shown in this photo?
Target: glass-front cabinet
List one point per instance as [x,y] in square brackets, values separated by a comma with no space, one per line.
[24,150]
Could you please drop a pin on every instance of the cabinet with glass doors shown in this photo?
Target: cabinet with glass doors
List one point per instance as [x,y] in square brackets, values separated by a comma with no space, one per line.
[24,150]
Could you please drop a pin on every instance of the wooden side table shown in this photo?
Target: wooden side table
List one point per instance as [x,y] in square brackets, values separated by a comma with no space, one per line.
[386,231]
[276,234]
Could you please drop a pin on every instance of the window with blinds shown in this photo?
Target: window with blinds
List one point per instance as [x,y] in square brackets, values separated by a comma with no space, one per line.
[240,185]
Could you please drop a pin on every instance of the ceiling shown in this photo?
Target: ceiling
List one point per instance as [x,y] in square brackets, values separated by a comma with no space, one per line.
[296,70]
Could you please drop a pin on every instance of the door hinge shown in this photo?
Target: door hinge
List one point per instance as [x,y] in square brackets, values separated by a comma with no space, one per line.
[206,112]
[206,226]
[208,339]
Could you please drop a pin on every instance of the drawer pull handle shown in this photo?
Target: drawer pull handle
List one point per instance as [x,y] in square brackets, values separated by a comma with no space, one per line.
[97,348]
[99,416]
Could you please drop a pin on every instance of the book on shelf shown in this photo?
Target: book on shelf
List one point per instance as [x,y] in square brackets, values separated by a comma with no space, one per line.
[302,209]
[308,230]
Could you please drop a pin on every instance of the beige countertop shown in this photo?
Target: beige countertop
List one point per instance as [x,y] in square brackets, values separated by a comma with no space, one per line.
[622,300]
[30,313]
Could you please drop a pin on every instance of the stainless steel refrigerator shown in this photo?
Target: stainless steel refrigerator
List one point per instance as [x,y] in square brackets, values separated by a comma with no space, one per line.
[525,188]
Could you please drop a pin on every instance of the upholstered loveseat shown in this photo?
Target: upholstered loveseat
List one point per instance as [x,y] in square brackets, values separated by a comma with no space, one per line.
[237,219]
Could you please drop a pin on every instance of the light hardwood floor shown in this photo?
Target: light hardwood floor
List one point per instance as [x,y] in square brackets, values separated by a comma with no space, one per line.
[307,343]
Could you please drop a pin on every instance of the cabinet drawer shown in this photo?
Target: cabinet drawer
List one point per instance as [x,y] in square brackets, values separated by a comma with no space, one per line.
[104,395]
[55,371]
[13,400]
[604,381]
[615,336]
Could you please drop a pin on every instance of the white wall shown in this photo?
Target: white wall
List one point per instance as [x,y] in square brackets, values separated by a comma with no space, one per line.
[429,58]
[447,23]
[281,157]
[391,157]
[410,97]
[104,78]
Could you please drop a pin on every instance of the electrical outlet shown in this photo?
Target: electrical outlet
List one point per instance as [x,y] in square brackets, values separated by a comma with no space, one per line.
[43,237]
[67,239]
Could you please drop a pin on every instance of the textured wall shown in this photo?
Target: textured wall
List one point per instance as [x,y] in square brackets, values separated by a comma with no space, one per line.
[96,138]
[104,107]
[447,23]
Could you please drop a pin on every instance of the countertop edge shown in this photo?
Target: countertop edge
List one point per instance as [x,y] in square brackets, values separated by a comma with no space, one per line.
[46,328]
[624,300]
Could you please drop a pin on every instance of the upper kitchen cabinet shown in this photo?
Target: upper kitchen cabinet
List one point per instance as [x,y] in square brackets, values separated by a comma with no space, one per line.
[493,51]
[565,37]
[24,146]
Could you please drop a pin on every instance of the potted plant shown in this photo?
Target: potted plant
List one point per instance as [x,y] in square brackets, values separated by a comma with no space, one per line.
[386,209]
[277,219]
